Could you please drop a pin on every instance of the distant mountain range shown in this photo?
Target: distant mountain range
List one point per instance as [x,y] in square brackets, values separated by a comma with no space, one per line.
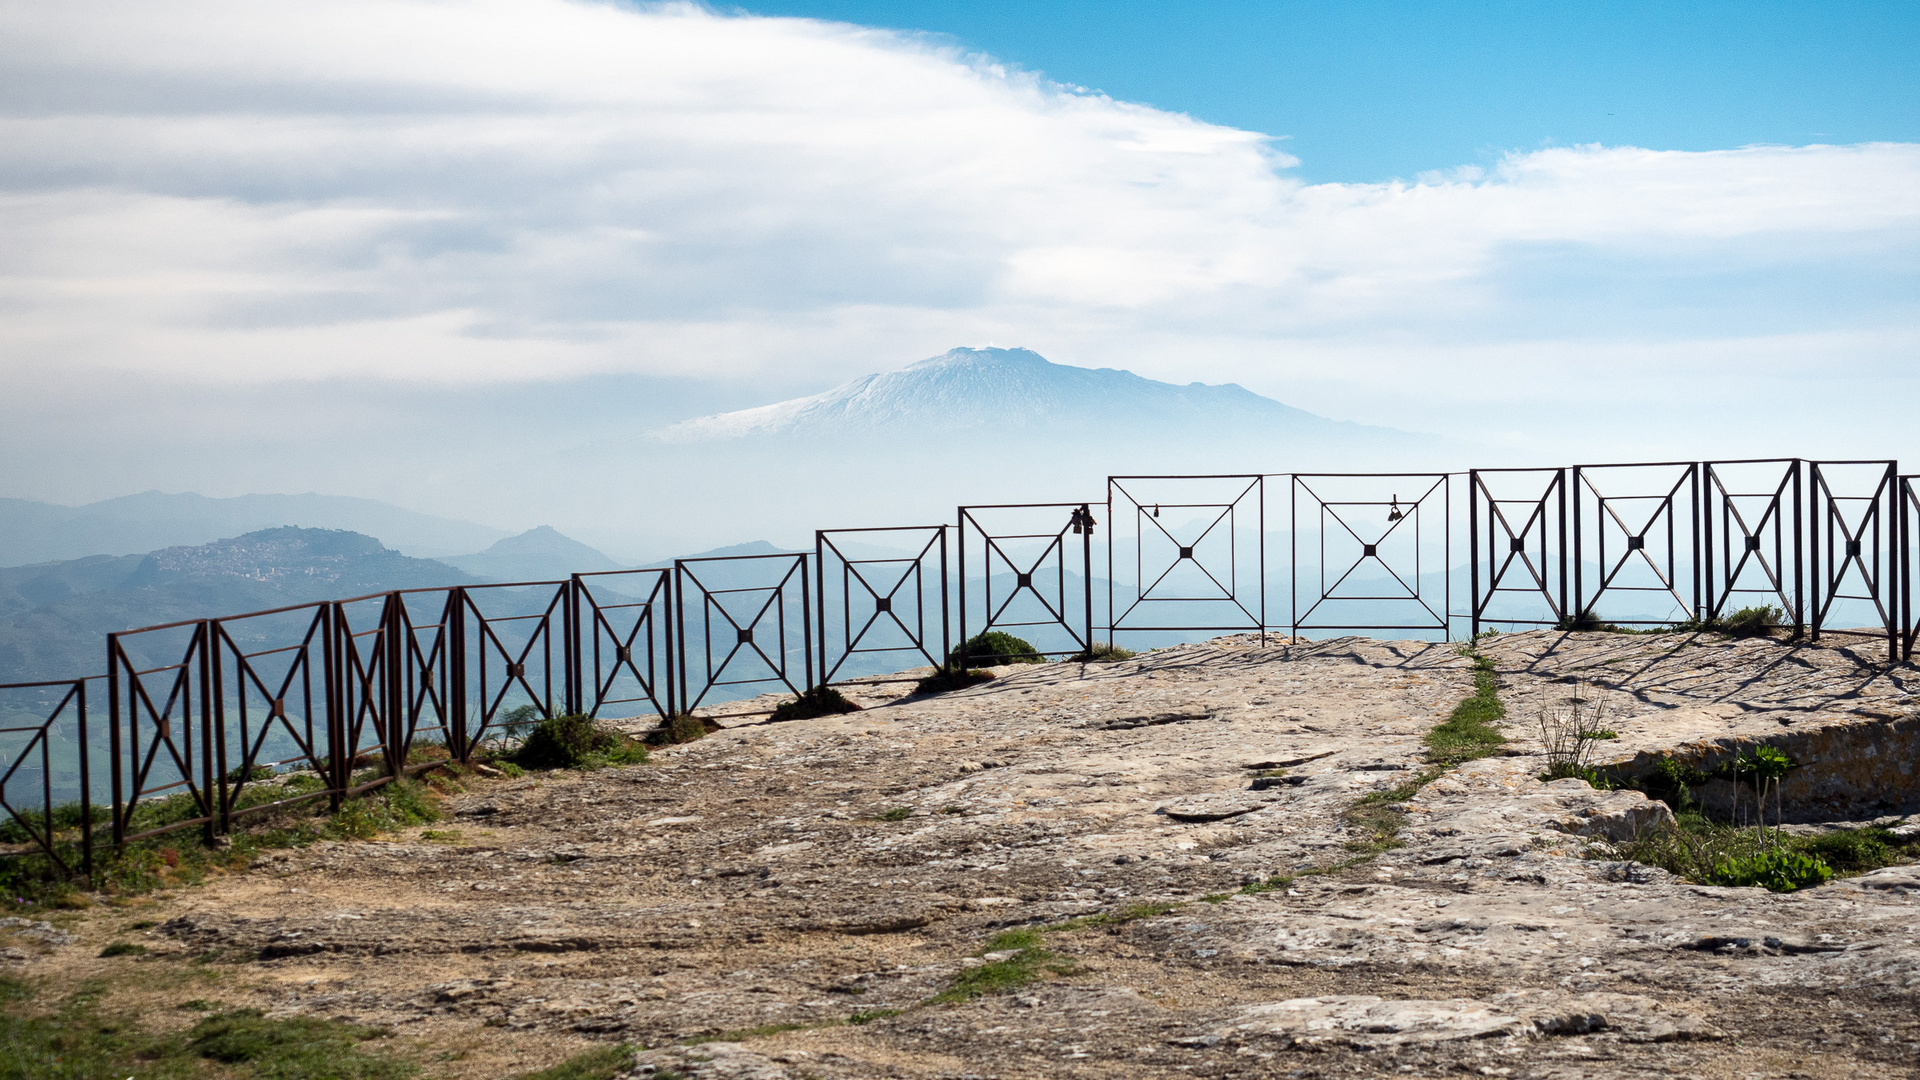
[54,617]
[36,532]
[1019,391]
[541,554]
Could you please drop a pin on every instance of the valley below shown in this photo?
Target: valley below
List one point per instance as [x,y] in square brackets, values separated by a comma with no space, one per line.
[1174,865]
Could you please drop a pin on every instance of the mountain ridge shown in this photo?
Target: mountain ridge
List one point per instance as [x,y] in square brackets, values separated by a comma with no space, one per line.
[967,388]
[38,532]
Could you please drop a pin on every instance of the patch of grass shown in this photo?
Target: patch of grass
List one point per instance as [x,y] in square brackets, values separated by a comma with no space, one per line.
[1714,853]
[1216,898]
[442,836]
[123,948]
[742,1034]
[1377,826]
[573,741]
[1272,884]
[297,1048]
[181,859]
[1102,654]
[819,701]
[1130,913]
[1856,851]
[898,813]
[870,1015]
[599,1063]
[1028,961]
[993,647]
[952,678]
[1469,732]
[77,1040]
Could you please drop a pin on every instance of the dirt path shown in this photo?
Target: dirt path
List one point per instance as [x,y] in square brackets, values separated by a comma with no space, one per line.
[819,871]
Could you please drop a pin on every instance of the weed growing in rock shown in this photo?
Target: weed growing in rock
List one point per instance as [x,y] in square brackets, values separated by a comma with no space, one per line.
[869,1016]
[123,948]
[573,741]
[1568,731]
[898,813]
[819,701]
[994,647]
[599,1063]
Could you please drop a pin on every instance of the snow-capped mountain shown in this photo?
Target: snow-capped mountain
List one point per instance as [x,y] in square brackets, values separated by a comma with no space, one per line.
[1010,389]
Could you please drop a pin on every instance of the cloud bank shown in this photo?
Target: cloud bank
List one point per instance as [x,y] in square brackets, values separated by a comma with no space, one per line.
[470,192]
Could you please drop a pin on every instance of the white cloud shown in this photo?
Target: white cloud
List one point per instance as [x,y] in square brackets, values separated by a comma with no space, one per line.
[509,189]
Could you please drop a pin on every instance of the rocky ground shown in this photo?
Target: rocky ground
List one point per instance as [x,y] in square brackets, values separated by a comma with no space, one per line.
[782,901]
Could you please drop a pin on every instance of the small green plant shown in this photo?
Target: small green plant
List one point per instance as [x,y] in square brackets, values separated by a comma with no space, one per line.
[574,741]
[993,647]
[1776,870]
[1102,653]
[124,948]
[898,813]
[599,1063]
[950,678]
[818,701]
[869,1016]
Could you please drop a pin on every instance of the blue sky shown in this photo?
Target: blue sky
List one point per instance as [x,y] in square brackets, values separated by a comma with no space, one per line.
[1372,91]
[279,247]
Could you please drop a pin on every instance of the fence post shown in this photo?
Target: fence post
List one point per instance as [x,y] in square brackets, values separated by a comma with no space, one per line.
[86,790]
[456,630]
[113,734]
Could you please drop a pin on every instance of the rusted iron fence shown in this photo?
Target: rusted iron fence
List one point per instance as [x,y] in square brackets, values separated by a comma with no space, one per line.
[208,719]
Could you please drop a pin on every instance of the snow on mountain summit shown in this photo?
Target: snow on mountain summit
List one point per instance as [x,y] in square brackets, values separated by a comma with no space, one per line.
[995,388]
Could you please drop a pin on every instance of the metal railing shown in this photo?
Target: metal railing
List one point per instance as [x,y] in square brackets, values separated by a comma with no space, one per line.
[205,716]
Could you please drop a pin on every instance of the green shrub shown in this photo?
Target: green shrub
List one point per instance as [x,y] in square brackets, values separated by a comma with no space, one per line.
[819,701]
[1588,620]
[574,741]
[1753,621]
[994,647]
[124,948]
[1102,654]
[679,728]
[950,678]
